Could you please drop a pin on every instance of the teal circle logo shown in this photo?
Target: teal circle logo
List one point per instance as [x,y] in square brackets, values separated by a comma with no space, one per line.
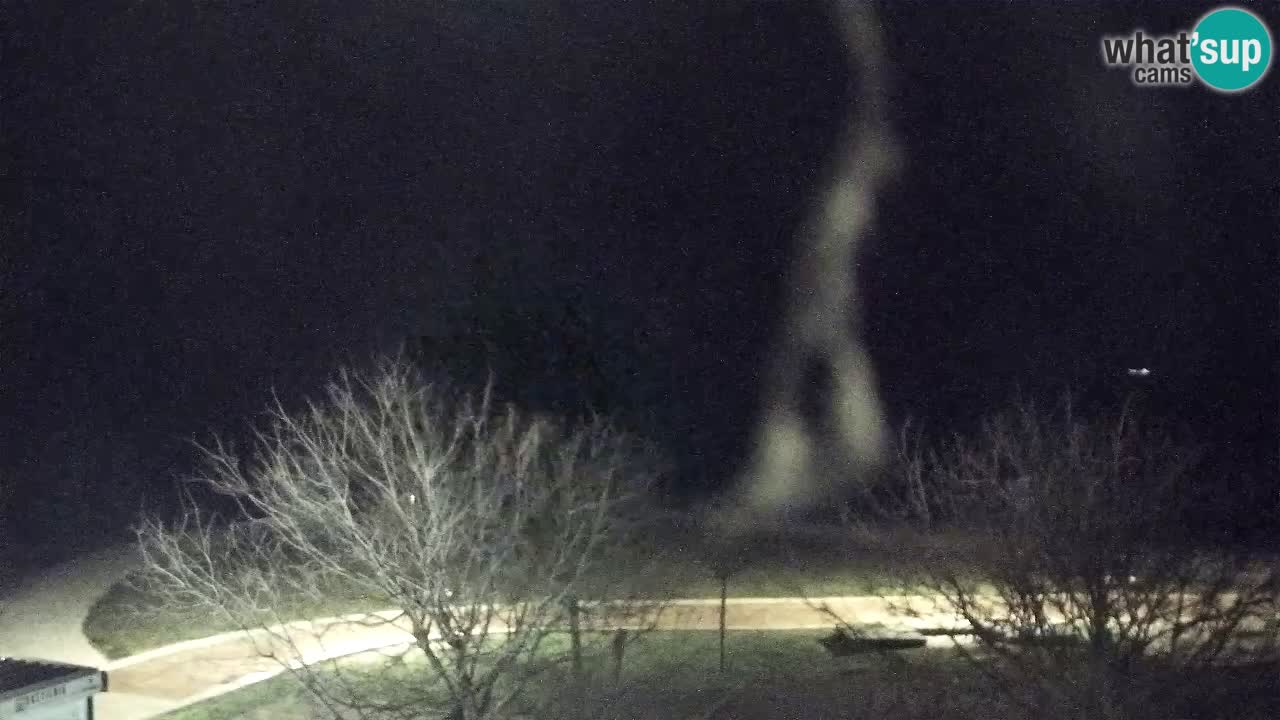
[1231,49]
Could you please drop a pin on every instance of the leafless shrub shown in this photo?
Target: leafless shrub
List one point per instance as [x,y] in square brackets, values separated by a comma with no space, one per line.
[1084,595]
[484,530]
[902,495]
[1072,571]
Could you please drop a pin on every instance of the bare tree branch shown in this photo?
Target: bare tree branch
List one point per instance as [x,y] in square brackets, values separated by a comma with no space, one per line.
[481,526]
[1082,591]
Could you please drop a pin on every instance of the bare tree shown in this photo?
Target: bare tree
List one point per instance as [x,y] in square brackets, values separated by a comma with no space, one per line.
[1084,594]
[485,530]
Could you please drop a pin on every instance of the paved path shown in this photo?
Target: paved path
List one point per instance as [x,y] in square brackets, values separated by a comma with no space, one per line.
[186,673]
[42,616]
[189,672]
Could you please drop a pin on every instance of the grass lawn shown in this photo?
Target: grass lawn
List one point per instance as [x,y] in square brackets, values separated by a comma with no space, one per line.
[773,675]
[125,621]
[670,675]
[281,698]
[675,675]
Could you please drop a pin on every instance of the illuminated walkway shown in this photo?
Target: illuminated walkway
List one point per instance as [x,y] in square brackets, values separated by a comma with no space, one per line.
[42,619]
[185,673]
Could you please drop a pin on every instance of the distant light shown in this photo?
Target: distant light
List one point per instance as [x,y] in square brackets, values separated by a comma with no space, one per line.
[1139,372]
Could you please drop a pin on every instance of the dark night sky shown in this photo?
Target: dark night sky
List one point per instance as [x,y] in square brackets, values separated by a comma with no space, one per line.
[198,206]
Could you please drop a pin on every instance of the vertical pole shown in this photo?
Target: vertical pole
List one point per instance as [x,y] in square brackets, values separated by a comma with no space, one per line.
[619,647]
[575,636]
[724,601]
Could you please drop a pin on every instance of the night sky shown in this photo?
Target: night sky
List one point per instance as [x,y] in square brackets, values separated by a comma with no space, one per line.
[198,206]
